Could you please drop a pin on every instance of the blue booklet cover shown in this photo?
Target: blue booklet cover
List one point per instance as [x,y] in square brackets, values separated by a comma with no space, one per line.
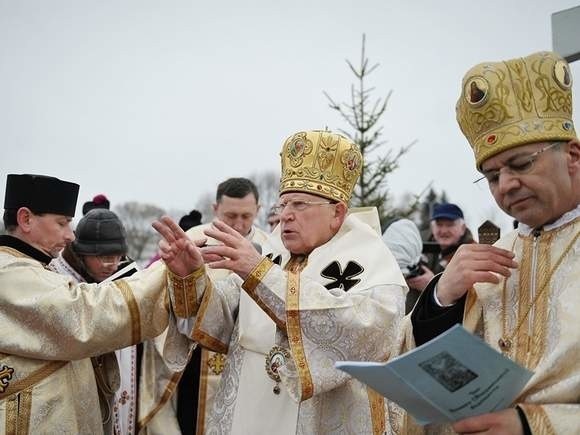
[454,376]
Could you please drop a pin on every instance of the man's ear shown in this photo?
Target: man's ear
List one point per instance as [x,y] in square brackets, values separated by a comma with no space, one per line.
[574,156]
[24,219]
[340,212]
[214,208]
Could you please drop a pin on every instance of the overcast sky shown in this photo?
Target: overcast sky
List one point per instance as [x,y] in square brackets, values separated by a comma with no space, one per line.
[158,101]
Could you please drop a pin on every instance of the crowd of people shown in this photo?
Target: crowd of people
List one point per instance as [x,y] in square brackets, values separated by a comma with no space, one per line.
[234,329]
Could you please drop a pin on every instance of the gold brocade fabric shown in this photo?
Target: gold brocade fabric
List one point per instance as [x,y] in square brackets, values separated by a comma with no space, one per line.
[158,406]
[320,163]
[507,104]
[548,342]
[51,329]
[352,318]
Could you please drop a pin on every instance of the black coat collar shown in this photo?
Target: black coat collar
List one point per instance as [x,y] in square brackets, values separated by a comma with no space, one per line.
[25,248]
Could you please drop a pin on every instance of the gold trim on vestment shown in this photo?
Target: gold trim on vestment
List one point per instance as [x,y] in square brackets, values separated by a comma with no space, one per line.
[209,342]
[202,393]
[24,411]
[377,410]
[471,300]
[201,337]
[133,307]
[254,278]
[537,419]
[523,296]
[536,344]
[185,292]
[33,378]
[13,252]
[207,295]
[12,416]
[169,389]
[295,335]
[533,308]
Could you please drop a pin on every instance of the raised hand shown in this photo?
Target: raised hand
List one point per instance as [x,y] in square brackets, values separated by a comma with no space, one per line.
[236,252]
[180,254]
[470,264]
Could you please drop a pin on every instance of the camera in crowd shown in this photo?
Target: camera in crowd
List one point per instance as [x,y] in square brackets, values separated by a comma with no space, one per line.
[415,270]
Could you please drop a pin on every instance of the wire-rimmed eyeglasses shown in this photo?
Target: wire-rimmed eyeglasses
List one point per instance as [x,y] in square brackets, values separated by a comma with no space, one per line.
[107,260]
[518,165]
[297,205]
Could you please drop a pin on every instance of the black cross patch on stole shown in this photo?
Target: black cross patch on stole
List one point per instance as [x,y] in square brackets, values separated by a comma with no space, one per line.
[343,280]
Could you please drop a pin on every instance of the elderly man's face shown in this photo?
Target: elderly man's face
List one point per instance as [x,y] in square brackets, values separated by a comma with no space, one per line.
[308,221]
[544,191]
[238,213]
[447,232]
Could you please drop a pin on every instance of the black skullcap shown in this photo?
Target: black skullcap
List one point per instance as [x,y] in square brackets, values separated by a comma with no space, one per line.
[41,194]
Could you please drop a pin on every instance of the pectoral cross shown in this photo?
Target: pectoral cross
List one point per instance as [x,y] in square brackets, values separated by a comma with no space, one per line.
[216,363]
[5,376]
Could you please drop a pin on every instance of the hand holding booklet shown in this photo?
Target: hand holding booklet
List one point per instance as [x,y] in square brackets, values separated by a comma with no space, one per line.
[454,376]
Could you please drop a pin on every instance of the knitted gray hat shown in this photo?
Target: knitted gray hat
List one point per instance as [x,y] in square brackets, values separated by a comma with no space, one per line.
[100,232]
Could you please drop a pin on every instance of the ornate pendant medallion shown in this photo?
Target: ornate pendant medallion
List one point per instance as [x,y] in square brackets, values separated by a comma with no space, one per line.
[276,358]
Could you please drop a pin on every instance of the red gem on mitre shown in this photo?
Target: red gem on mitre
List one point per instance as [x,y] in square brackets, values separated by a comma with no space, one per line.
[491,139]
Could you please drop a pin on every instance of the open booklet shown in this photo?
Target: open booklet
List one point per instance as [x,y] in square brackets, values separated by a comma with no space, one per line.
[454,376]
[128,269]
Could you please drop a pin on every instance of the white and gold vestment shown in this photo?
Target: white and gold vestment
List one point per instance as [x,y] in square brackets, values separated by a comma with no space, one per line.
[343,302]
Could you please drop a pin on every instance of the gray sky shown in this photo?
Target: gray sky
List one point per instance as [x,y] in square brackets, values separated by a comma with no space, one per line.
[158,101]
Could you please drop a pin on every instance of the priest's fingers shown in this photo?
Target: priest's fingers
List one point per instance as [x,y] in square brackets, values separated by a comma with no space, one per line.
[168,229]
[164,230]
[224,233]
[165,251]
[225,228]
[175,229]
[471,264]
[221,250]
[200,242]
[211,258]
[501,422]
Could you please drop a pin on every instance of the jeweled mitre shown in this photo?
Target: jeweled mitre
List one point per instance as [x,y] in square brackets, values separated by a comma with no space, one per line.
[321,163]
[507,104]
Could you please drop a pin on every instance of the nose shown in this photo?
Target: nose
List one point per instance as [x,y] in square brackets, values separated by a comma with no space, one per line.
[69,234]
[286,214]
[507,182]
[238,225]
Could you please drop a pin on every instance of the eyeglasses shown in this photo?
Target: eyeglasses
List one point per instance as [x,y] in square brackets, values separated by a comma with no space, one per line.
[297,205]
[107,260]
[517,165]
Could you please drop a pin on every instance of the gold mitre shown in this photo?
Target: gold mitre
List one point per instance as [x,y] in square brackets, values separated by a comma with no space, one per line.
[507,104]
[321,163]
